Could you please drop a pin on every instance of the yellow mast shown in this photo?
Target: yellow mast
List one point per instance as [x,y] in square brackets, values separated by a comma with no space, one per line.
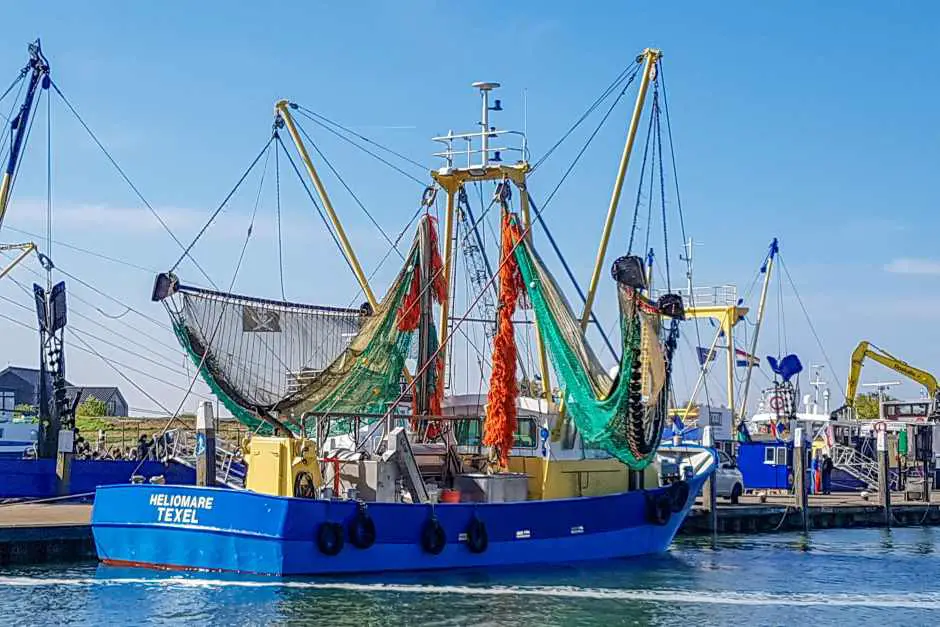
[652,56]
[282,109]
[452,178]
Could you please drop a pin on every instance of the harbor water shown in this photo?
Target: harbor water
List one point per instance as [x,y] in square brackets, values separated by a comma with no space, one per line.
[860,576]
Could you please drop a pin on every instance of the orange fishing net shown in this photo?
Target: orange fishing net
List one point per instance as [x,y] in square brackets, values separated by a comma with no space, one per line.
[500,426]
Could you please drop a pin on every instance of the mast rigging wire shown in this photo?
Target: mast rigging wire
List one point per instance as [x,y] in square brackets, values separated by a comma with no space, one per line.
[809,321]
[280,245]
[351,193]
[316,205]
[310,113]
[609,90]
[127,180]
[221,206]
[661,77]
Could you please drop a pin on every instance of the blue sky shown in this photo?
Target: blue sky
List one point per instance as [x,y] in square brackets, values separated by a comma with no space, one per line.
[814,123]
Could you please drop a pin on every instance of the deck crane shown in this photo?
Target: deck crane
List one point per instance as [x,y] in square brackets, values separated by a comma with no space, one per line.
[867,350]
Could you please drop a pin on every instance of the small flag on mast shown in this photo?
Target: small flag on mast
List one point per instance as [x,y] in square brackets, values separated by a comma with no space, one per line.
[743,358]
[703,355]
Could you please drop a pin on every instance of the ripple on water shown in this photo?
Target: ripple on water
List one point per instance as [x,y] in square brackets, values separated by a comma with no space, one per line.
[846,576]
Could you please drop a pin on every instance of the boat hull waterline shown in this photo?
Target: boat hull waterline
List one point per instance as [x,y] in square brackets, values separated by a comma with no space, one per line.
[193,528]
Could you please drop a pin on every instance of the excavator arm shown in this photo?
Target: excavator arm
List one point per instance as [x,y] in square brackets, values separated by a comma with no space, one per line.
[865,350]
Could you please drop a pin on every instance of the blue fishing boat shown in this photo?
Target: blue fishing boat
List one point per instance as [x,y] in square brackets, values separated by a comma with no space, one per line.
[361,463]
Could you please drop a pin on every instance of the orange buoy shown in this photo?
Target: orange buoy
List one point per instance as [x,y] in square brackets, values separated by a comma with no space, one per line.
[450,496]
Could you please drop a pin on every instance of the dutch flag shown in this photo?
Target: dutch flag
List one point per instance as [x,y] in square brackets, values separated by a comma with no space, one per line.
[743,358]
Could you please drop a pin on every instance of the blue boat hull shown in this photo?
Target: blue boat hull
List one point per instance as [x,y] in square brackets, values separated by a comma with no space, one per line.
[180,527]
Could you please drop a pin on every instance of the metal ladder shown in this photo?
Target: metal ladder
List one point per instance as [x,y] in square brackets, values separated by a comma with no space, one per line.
[229,470]
[860,466]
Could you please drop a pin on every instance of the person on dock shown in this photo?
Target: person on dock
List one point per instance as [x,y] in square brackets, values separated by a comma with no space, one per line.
[826,474]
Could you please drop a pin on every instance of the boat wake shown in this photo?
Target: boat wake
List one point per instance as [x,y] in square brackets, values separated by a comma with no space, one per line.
[718,597]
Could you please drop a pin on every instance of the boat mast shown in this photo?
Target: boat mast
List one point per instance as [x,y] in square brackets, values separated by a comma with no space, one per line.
[489,167]
[282,112]
[766,269]
[20,123]
[652,56]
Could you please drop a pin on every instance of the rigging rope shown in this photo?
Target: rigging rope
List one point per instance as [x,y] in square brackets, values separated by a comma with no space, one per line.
[316,205]
[570,273]
[589,140]
[661,77]
[149,271]
[365,150]
[639,191]
[812,328]
[127,179]
[662,184]
[221,206]
[310,113]
[280,246]
[351,192]
[609,90]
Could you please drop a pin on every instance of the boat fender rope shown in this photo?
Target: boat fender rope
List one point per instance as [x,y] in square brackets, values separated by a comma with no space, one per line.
[362,529]
[477,538]
[433,537]
[658,508]
[330,538]
[678,496]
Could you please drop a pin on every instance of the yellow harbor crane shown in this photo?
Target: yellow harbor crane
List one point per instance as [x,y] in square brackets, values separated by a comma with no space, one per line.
[866,350]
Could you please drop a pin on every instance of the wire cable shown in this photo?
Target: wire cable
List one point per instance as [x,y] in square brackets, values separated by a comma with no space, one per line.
[128,180]
[221,206]
[365,150]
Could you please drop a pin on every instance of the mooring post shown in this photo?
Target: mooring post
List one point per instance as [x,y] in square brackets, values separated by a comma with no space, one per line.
[63,461]
[205,444]
[884,480]
[709,494]
[799,477]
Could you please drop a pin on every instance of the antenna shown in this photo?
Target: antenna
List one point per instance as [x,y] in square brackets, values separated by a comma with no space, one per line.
[881,387]
[488,155]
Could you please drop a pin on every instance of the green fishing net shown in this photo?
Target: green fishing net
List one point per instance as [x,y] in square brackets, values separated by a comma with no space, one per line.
[599,405]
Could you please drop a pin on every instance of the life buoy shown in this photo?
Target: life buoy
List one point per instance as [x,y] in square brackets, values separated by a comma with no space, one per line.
[433,537]
[477,538]
[658,508]
[330,538]
[678,496]
[362,529]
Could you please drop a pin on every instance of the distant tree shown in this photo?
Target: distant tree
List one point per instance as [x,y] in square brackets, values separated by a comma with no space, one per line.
[868,407]
[25,411]
[93,408]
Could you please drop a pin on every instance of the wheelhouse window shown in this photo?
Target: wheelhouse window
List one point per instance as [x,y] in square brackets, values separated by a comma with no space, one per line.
[714,418]
[769,455]
[526,435]
[781,456]
[469,432]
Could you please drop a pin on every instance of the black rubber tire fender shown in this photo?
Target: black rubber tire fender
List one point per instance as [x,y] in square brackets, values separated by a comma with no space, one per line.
[659,509]
[361,529]
[433,537]
[330,538]
[477,538]
[678,496]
